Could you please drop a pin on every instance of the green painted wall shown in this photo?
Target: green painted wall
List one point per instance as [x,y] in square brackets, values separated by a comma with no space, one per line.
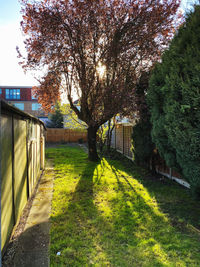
[15,132]
[38,151]
[20,166]
[7,212]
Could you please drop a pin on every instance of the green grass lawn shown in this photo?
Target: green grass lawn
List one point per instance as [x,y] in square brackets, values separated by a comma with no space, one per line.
[112,213]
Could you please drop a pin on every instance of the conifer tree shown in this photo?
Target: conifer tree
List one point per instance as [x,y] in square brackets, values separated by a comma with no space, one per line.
[55,118]
[174,98]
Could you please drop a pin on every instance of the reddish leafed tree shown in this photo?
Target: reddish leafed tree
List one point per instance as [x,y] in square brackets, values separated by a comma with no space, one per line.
[96,50]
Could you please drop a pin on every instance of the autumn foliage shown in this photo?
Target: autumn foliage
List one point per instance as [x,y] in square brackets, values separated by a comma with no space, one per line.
[95,50]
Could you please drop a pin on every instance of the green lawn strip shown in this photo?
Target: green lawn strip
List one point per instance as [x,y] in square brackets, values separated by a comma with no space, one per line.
[112,214]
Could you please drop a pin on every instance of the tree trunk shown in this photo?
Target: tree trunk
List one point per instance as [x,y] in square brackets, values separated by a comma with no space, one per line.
[92,148]
[153,164]
[109,134]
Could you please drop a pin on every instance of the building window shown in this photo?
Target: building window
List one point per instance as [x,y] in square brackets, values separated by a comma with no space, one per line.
[12,93]
[19,105]
[36,106]
[33,95]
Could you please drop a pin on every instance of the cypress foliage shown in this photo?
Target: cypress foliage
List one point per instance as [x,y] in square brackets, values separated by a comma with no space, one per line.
[174,100]
[141,138]
[142,143]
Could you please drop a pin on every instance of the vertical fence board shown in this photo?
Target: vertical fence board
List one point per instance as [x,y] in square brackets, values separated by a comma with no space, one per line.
[42,149]
[127,140]
[113,136]
[7,211]
[119,138]
[20,167]
[34,153]
[38,150]
[30,166]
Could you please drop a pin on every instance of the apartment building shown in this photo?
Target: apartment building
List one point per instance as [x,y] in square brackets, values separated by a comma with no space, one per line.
[23,98]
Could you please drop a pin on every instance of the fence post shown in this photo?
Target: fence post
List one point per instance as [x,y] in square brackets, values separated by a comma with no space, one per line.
[27,160]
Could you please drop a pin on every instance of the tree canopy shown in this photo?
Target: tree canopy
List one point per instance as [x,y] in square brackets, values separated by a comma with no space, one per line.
[95,50]
[174,98]
[71,120]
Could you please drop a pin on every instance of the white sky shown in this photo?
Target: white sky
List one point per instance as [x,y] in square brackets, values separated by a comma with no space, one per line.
[11,72]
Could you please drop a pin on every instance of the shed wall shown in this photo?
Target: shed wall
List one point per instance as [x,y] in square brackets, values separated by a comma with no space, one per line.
[7,209]
[21,166]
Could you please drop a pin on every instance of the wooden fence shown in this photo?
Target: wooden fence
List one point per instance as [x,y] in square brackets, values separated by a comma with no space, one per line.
[22,160]
[59,135]
[121,139]
[163,169]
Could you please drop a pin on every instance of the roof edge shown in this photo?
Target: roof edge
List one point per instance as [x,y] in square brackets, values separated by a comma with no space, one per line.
[15,87]
[5,106]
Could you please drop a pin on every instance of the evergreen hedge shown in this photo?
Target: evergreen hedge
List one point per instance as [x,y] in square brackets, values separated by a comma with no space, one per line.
[174,101]
[142,145]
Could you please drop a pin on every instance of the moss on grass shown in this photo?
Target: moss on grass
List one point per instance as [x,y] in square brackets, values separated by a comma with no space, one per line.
[105,214]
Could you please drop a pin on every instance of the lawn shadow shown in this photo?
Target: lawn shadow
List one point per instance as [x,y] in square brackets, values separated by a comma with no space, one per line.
[126,229]
[173,199]
[73,235]
[150,223]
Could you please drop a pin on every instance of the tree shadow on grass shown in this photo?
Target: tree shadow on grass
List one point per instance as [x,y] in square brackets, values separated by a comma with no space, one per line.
[173,199]
[72,235]
[149,225]
[112,221]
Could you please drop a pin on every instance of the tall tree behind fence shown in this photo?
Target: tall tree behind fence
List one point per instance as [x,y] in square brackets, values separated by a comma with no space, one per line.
[60,135]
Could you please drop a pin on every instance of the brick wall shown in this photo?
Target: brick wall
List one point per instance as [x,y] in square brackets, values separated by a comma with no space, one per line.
[25,98]
[28,108]
[25,93]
